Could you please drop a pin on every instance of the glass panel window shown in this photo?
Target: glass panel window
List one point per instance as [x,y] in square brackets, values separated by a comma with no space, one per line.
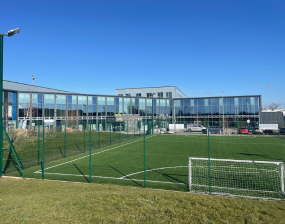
[142,107]
[101,106]
[169,107]
[24,101]
[49,105]
[119,105]
[37,105]
[60,106]
[82,106]
[138,94]
[160,95]
[162,107]
[92,102]
[127,106]
[135,106]
[168,94]
[110,106]
[72,105]
[149,107]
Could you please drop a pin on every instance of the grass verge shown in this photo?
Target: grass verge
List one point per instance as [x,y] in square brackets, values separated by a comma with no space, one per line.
[36,201]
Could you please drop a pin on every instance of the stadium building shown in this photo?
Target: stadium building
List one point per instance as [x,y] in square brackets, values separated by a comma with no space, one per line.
[27,105]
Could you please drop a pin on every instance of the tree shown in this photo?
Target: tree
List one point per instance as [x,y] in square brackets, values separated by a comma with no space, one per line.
[273,106]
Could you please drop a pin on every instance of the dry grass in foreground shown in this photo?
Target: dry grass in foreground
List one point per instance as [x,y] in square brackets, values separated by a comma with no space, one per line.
[36,201]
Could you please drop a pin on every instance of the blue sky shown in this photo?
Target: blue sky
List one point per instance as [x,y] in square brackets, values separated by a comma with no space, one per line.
[202,47]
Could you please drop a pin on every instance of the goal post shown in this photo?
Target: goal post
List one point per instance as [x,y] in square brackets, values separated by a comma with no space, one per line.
[247,178]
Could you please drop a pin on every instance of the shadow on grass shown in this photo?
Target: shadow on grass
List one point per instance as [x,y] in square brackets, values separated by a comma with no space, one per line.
[81,173]
[125,176]
[78,148]
[12,162]
[60,151]
[170,177]
[257,155]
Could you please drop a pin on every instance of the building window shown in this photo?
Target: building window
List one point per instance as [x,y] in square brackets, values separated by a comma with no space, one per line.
[149,95]
[138,94]
[82,105]
[160,95]
[120,94]
[168,94]
[128,94]
[92,102]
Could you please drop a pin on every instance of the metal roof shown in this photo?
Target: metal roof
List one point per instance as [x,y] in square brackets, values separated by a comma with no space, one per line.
[16,86]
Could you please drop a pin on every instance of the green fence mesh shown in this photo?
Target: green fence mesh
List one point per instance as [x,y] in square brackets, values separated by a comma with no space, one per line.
[231,157]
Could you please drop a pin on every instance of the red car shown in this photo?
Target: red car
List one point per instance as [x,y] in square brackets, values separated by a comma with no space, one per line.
[242,131]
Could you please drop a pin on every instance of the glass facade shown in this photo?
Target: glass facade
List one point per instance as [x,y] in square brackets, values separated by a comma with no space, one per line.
[244,106]
[38,106]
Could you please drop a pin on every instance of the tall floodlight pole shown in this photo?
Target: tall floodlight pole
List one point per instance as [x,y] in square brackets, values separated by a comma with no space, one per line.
[223,113]
[152,112]
[10,33]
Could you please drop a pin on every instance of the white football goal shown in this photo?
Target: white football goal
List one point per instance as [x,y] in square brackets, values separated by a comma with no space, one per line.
[247,178]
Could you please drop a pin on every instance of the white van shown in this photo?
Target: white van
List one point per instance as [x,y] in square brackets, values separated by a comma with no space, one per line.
[194,127]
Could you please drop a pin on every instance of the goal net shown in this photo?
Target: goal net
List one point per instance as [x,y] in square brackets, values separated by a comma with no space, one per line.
[246,178]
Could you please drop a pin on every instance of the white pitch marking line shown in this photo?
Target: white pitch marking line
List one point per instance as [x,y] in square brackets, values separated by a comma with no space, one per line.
[151,170]
[114,178]
[88,155]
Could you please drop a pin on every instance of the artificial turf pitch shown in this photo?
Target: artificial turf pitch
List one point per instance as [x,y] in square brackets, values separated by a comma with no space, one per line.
[159,162]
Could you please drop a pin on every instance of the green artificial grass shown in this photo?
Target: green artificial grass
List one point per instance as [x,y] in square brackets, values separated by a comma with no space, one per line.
[165,161]
[35,201]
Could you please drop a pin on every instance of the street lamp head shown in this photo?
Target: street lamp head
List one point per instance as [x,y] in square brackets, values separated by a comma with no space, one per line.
[153,94]
[13,32]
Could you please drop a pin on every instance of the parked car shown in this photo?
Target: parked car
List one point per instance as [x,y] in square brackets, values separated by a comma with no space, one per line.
[271,132]
[282,131]
[250,128]
[256,131]
[213,130]
[194,127]
[243,131]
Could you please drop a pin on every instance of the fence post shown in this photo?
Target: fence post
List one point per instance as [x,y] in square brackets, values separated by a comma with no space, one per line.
[65,140]
[84,133]
[39,136]
[43,165]
[127,130]
[209,159]
[110,133]
[98,136]
[144,154]
[282,178]
[90,152]
[134,130]
[120,135]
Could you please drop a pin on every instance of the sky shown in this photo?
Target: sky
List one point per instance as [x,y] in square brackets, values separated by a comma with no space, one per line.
[203,47]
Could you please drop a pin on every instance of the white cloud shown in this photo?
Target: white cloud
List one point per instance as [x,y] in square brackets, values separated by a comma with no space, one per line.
[271,85]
